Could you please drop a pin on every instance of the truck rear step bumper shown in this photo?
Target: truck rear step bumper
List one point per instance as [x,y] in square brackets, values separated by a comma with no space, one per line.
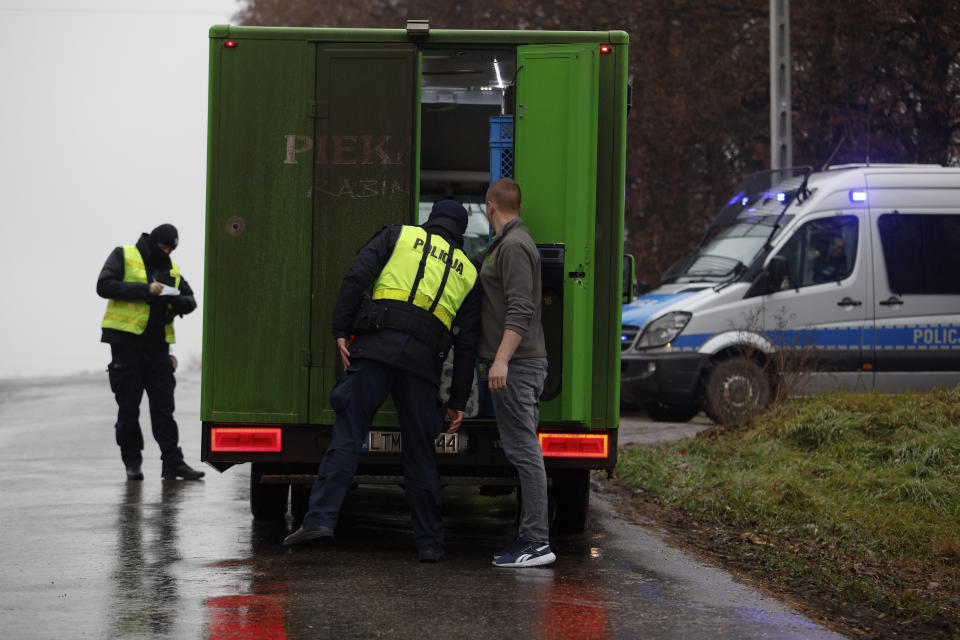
[310,478]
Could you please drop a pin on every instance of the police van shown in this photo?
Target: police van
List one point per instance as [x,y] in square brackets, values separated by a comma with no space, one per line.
[851,275]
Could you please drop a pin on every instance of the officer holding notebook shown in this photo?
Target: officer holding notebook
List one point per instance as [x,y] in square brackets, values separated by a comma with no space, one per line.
[145,291]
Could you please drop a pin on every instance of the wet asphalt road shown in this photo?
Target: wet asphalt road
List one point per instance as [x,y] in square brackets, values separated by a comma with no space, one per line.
[86,554]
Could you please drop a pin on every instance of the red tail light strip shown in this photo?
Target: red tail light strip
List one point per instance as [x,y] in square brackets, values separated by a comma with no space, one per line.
[575,445]
[249,439]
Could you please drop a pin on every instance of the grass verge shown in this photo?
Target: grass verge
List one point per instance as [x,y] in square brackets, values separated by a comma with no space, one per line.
[854,497]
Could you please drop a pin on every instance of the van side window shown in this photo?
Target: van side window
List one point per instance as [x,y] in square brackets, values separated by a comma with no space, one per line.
[921,252]
[822,250]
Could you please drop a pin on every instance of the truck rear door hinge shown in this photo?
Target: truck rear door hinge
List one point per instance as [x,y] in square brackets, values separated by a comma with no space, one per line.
[306,358]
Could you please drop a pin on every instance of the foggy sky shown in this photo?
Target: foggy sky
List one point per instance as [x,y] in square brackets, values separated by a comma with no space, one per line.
[102,137]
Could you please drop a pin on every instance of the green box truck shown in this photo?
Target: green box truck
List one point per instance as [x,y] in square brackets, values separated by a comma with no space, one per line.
[320,137]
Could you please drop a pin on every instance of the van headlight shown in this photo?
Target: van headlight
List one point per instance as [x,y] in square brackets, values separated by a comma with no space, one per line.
[664,329]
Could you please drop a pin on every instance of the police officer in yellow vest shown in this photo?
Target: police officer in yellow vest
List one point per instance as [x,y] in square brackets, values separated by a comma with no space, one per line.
[145,291]
[422,302]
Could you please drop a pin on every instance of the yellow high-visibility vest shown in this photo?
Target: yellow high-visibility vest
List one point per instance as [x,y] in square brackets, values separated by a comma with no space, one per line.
[132,315]
[396,281]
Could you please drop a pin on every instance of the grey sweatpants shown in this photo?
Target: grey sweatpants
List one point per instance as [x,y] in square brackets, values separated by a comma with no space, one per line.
[518,413]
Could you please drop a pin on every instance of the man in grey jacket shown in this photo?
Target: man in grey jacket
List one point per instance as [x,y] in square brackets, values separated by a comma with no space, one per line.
[512,343]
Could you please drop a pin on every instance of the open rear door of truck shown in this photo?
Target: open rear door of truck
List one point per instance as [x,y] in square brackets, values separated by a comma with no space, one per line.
[556,167]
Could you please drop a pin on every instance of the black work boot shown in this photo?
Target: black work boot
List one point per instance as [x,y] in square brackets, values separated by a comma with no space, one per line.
[134,473]
[182,470]
[430,554]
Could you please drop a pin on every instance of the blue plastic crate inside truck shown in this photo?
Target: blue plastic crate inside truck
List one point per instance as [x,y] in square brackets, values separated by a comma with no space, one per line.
[501,147]
[501,130]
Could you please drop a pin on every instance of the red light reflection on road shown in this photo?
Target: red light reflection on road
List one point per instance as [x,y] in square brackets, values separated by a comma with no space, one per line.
[574,612]
[253,617]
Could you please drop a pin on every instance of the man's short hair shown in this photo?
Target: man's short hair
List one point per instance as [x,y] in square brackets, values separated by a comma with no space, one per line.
[505,194]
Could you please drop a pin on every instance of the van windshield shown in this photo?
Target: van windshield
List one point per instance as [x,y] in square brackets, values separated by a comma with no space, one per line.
[730,251]
[739,233]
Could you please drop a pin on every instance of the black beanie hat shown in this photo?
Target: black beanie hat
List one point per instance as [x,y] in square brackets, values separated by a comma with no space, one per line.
[166,234]
[453,210]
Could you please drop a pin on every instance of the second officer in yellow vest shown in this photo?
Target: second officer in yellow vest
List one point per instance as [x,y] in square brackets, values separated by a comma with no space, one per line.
[138,325]
[422,303]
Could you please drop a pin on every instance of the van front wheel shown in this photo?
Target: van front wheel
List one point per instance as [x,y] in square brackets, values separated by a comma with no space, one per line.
[735,390]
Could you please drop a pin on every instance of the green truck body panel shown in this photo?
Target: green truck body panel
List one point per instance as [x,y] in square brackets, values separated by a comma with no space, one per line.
[257,274]
[317,139]
[363,180]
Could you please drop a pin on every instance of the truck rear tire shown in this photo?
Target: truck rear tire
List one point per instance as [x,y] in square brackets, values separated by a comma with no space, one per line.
[663,412]
[571,497]
[267,501]
[735,390]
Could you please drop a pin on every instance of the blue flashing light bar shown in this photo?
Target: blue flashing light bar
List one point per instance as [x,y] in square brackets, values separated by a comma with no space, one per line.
[735,198]
[858,195]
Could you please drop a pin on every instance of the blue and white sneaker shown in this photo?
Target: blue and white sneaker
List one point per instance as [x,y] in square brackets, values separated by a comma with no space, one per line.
[524,553]
[518,543]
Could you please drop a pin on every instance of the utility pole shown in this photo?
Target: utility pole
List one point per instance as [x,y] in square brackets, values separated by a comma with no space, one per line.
[781,135]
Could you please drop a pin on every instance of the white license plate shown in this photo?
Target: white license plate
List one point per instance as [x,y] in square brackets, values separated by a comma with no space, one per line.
[391,442]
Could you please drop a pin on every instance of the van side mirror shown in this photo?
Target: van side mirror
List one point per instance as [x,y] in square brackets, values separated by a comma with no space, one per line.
[770,279]
[629,274]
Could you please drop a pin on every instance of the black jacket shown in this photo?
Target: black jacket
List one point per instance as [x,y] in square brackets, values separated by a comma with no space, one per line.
[110,285]
[399,348]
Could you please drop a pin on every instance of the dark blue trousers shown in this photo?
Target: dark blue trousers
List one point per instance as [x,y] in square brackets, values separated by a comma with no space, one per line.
[356,399]
[132,371]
